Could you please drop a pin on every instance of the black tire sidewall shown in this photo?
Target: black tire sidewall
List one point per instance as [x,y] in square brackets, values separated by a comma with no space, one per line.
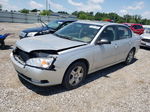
[126,62]
[67,74]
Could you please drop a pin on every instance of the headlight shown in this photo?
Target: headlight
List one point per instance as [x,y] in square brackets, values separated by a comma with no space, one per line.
[22,34]
[31,34]
[40,62]
[45,32]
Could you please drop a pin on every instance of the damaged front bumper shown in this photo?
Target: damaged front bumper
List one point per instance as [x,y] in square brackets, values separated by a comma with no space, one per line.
[36,75]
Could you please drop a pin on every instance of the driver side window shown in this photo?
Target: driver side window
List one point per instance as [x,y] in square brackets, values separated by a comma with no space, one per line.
[108,33]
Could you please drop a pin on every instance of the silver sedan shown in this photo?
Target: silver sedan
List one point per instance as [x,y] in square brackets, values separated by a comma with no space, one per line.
[67,56]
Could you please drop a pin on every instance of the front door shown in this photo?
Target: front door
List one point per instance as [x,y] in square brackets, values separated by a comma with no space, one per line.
[105,54]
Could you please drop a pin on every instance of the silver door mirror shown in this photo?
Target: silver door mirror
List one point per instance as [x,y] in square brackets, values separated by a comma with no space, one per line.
[103,41]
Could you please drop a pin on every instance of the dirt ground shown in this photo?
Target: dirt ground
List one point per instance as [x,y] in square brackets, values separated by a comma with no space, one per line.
[118,88]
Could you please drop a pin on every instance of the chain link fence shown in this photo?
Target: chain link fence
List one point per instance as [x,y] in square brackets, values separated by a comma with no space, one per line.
[16,17]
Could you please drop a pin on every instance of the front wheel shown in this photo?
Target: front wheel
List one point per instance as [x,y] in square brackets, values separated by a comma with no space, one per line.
[75,75]
[130,57]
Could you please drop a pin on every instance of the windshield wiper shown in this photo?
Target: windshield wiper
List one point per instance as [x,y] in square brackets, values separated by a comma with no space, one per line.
[43,23]
[62,36]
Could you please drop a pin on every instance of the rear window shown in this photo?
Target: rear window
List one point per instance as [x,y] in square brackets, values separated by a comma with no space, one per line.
[137,27]
[123,33]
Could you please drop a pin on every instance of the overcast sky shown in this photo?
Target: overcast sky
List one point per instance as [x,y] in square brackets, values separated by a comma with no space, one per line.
[140,7]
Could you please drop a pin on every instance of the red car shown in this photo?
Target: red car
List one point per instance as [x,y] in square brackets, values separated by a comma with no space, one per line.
[136,28]
[109,20]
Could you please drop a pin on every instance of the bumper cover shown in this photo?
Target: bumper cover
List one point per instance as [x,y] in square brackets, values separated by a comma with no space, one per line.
[145,44]
[37,76]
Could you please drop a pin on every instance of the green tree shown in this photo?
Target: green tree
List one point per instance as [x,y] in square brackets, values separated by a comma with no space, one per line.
[82,16]
[137,18]
[45,12]
[26,11]
[113,16]
[76,13]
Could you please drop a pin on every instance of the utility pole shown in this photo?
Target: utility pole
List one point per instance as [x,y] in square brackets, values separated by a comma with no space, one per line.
[49,5]
[46,4]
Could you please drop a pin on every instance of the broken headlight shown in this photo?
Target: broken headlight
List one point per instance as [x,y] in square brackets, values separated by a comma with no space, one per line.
[40,62]
[31,34]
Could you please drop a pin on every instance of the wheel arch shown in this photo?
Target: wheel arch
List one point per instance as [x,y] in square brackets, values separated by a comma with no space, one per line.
[134,48]
[79,60]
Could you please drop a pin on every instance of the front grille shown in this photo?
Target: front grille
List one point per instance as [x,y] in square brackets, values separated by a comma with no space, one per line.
[146,40]
[22,55]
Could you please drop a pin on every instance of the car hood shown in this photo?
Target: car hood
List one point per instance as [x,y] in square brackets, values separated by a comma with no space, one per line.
[46,42]
[146,36]
[38,29]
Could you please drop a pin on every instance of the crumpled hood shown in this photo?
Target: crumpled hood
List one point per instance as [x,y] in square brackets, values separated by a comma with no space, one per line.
[46,42]
[145,36]
[38,29]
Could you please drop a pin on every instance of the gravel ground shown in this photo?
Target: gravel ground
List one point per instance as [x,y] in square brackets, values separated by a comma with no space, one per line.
[116,89]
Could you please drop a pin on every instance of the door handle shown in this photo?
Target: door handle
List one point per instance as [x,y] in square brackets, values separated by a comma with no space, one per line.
[116,46]
[130,43]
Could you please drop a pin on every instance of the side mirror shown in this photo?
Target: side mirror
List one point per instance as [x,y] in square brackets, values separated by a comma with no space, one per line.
[103,41]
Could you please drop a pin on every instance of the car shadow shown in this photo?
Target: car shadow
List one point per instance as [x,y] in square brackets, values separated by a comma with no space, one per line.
[6,47]
[46,91]
[145,48]
[106,72]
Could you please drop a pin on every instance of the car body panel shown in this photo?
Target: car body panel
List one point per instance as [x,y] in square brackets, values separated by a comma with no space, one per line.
[37,29]
[46,42]
[145,38]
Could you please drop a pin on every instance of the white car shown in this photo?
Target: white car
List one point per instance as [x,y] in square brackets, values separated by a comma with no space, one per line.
[145,40]
[68,55]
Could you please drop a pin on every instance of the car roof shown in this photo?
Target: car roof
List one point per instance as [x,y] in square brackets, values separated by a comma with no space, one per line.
[63,20]
[132,24]
[146,26]
[101,23]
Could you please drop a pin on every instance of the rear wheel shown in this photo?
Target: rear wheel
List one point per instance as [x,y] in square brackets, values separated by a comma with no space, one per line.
[75,75]
[130,57]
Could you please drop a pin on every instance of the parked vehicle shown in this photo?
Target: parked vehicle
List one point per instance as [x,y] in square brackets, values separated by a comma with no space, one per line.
[145,40]
[78,49]
[109,20]
[51,27]
[2,40]
[136,28]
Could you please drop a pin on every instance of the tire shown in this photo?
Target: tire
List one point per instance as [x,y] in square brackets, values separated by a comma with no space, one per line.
[130,57]
[75,75]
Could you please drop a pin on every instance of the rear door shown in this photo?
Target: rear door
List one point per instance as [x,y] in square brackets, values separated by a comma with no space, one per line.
[123,41]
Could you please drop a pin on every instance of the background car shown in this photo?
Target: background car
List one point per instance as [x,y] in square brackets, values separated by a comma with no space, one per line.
[78,49]
[51,27]
[145,40]
[136,28]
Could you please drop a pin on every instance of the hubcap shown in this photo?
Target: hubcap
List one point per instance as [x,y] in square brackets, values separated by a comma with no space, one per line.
[130,57]
[76,75]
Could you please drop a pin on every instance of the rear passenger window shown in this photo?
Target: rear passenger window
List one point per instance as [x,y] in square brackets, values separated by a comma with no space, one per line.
[123,33]
[137,27]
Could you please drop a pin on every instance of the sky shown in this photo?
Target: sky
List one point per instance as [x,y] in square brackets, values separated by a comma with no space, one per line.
[121,7]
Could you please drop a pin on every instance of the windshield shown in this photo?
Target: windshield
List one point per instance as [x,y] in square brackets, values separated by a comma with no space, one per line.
[147,30]
[54,24]
[79,32]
